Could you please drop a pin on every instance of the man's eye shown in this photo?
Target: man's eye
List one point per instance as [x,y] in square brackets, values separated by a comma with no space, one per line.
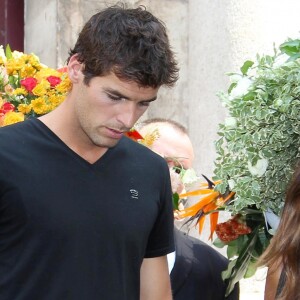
[177,170]
[114,98]
[144,104]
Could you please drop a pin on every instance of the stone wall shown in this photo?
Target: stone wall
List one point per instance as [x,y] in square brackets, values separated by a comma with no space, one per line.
[209,37]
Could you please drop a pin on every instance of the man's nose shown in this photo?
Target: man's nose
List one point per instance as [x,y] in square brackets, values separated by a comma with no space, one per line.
[128,115]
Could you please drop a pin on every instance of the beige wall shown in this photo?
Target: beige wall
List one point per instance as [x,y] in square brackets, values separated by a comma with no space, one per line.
[210,37]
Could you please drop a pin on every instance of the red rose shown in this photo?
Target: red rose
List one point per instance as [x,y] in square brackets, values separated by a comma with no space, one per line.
[53,80]
[29,83]
[6,107]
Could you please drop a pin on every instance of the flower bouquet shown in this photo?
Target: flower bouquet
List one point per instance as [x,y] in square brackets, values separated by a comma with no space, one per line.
[257,151]
[27,87]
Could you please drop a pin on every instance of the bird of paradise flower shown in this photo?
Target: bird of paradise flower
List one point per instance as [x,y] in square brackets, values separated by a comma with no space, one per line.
[209,204]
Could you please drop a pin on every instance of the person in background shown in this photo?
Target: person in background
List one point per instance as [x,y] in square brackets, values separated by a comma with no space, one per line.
[282,257]
[85,212]
[195,267]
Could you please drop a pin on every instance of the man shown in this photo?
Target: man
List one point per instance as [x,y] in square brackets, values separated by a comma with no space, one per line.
[85,213]
[196,273]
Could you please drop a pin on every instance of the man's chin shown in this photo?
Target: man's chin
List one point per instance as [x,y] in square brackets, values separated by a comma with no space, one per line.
[109,143]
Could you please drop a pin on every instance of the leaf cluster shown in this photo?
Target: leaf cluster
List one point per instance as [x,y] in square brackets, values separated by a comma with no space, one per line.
[245,250]
[266,127]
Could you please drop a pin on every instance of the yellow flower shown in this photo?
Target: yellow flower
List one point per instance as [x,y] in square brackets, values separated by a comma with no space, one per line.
[27,71]
[55,100]
[34,61]
[24,108]
[150,137]
[65,86]
[39,106]
[45,72]
[41,88]
[20,91]
[12,117]
[12,66]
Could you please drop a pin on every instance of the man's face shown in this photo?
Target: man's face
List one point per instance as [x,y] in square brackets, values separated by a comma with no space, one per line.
[172,144]
[175,147]
[108,107]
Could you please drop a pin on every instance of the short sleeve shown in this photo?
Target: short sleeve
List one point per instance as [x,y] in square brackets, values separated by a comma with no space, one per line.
[161,239]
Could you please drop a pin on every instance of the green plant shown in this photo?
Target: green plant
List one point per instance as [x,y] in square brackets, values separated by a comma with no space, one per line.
[258,148]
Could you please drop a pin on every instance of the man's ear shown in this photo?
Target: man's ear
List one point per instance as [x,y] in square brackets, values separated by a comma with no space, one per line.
[74,69]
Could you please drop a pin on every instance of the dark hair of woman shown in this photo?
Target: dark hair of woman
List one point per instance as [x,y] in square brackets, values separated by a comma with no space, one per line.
[283,252]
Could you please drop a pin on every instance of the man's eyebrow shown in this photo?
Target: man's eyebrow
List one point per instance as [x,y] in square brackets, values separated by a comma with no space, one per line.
[118,94]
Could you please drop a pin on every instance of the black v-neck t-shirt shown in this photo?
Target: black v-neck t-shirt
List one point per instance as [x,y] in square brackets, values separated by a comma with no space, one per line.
[74,230]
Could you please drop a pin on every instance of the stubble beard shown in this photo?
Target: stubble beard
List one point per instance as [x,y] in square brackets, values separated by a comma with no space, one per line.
[99,140]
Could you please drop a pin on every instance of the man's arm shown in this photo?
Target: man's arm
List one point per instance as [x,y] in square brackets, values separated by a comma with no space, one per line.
[155,279]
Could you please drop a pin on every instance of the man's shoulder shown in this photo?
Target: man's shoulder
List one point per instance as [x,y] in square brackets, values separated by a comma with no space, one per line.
[13,133]
[18,137]
[200,250]
[15,129]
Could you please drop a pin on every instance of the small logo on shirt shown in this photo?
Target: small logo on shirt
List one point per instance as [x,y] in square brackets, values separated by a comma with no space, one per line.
[134,194]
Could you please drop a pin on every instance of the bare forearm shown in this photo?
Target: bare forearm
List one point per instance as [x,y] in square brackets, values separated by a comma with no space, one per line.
[155,280]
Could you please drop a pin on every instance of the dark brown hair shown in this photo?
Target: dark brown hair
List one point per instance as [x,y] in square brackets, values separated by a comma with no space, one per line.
[284,248]
[131,43]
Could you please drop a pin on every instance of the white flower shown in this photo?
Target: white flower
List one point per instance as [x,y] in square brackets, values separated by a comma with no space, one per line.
[278,103]
[235,77]
[230,122]
[17,54]
[260,168]
[241,88]
[231,184]
[189,176]
[280,60]
[272,219]
[2,53]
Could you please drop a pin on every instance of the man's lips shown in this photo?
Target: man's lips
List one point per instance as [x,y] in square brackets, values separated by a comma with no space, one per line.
[114,133]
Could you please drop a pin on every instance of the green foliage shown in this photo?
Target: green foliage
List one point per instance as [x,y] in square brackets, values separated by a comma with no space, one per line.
[291,48]
[257,152]
[175,197]
[247,64]
[258,149]
[243,264]
[8,52]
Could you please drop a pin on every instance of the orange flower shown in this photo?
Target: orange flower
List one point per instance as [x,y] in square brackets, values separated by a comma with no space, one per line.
[209,203]
[134,135]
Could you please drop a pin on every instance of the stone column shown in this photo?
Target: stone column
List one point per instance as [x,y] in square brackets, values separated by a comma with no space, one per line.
[41,30]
